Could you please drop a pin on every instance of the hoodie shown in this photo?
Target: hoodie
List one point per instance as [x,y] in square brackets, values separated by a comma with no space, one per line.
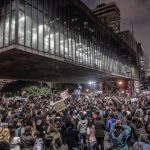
[109,123]
[82,126]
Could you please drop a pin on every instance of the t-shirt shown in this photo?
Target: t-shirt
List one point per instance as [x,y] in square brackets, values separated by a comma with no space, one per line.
[14,144]
[91,133]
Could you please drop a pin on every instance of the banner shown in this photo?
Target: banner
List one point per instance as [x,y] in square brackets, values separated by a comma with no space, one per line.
[60,105]
[64,95]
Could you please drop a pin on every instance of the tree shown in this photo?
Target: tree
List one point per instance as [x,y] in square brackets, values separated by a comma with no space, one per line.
[36,91]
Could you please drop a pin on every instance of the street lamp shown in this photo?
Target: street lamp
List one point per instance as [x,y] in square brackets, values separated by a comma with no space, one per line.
[120,83]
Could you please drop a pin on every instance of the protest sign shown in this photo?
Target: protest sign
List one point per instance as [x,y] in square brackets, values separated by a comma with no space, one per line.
[60,105]
[64,95]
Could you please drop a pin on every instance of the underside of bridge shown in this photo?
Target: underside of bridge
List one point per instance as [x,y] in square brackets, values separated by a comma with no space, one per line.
[18,62]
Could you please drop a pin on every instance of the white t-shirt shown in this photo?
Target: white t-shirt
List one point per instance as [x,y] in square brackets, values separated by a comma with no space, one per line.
[15,143]
[91,133]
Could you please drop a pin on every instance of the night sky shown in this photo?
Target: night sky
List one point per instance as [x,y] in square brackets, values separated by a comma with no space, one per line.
[136,12]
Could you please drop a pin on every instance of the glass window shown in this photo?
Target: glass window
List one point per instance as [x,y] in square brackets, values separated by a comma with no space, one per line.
[12,32]
[1,31]
[8,8]
[46,34]
[52,37]
[46,6]
[30,1]
[2,11]
[57,41]
[61,44]
[65,39]
[73,49]
[28,25]
[34,2]
[41,5]
[7,29]
[21,5]
[34,29]
[40,31]
[21,28]
[13,7]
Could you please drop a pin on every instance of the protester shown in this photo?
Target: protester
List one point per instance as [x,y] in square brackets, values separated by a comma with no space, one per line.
[14,141]
[35,124]
[72,137]
[133,135]
[119,136]
[91,136]
[82,127]
[100,132]
[27,140]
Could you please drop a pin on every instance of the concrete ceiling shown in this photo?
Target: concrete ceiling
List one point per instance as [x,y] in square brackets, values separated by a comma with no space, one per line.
[20,64]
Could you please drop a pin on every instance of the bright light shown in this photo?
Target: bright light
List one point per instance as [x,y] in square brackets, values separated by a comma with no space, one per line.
[51,36]
[40,28]
[120,82]
[87,90]
[52,43]
[61,47]
[91,82]
[22,18]
[66,49]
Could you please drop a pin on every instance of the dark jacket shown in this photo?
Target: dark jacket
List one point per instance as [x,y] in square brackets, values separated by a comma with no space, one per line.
[72,137]
[99,128]
[134,136]
[27,142]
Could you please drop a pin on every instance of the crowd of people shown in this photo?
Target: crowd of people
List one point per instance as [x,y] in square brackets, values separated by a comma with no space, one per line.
[120,120]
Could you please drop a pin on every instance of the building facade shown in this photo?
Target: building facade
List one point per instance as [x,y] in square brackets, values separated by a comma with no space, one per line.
[109,14]
[129,39]
[62,28]
[141,66]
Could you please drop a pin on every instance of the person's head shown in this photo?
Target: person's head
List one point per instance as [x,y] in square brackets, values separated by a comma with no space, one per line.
[57,114]
[90,123]
[124,113]
[39,112]
[4,145]
[129,117]
[118,124]
[134,120]
[111,115]
[144,138]
[82,117]
[27,130]
[147,129]
[37,135]
[99,117]
[139,123]
[119,109]
[12,133]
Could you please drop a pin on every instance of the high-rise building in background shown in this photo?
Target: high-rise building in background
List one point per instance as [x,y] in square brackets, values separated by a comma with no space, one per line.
[140,63]
[129,39]
[109,14]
